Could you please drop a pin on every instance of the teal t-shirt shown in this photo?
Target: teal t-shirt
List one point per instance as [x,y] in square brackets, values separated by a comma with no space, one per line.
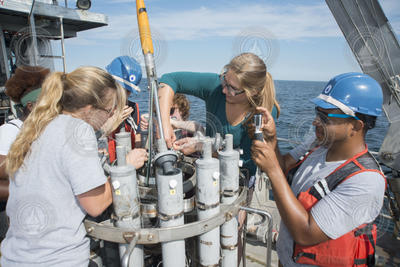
[207,86]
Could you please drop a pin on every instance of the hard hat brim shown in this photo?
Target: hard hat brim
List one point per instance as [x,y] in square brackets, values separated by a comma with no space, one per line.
[322,103]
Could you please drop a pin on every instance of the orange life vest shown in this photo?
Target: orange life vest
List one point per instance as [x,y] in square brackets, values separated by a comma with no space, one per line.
[112,143]
[128,128]
[356,248]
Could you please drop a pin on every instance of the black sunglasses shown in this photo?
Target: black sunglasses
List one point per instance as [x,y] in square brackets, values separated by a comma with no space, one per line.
[324,116]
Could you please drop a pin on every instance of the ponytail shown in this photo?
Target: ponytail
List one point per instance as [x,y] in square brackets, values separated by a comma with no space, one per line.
[269,101]
[64,92]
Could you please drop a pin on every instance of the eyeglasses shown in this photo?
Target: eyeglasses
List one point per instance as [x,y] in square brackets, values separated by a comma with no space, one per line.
[231,89]
[324,116]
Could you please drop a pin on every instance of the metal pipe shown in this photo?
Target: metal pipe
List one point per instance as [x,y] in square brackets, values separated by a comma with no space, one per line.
[148,52]
[149,140]
[124,139]
[3,49]
[62,44]
[152,80]
[126,257]
[269,233]
[121,155]
[6,68]
[229,168]
[244,241]
[207,205]
[170,213]
[33,53]
[31,11]
[258,135]
[126,206]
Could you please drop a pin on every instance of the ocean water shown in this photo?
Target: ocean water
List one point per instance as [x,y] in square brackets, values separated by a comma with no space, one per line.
[297,112]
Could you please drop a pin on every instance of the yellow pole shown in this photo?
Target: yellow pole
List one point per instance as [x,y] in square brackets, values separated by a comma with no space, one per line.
[144,28]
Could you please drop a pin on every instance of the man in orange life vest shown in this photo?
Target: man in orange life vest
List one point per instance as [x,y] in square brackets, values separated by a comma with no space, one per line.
[329,198]
[128,73]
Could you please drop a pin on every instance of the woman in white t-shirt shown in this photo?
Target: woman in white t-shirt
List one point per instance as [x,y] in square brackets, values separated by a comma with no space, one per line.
[56,177]
[23,88]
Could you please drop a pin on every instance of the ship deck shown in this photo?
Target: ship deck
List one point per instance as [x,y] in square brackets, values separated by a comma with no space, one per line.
[14,17]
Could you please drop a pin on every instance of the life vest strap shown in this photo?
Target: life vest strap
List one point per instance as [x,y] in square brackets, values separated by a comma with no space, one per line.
[364,230]
[365,162]
[304,254]
[369,261]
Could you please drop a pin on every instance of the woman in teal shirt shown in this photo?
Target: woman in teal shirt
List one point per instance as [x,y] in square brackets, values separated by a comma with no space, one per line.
[230,98]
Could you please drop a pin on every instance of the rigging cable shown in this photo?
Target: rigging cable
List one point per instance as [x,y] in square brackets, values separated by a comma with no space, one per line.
[362,37]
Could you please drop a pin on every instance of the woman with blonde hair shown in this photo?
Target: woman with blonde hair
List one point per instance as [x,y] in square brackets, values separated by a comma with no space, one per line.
[55,173]
[231,97]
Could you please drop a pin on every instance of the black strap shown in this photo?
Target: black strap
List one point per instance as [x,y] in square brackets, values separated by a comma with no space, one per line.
[304,254]
[360,261]
[13,124]
[369,261]
[143,9]
[292,171]
[336,177]
[371,257]
[3,205]
[135,112]
[364,230]
[367,231]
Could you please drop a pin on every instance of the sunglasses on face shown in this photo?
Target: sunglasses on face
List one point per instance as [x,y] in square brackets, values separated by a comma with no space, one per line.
[324,117]
[232,90]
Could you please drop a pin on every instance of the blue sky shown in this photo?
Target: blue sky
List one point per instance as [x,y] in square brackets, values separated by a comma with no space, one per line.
[299,39]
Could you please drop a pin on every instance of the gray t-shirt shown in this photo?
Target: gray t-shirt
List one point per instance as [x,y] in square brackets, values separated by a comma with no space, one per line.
[46,220]
[303,148]
[355,201]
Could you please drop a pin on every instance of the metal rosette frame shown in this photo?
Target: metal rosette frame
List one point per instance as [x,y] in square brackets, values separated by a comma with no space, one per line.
[106,231]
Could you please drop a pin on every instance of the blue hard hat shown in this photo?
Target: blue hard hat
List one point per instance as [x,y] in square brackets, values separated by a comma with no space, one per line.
[352,92]
[127,71]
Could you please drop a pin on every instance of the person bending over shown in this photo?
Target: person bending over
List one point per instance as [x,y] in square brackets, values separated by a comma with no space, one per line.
[230,97]
[55,173]
[179,115]
[128,73]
